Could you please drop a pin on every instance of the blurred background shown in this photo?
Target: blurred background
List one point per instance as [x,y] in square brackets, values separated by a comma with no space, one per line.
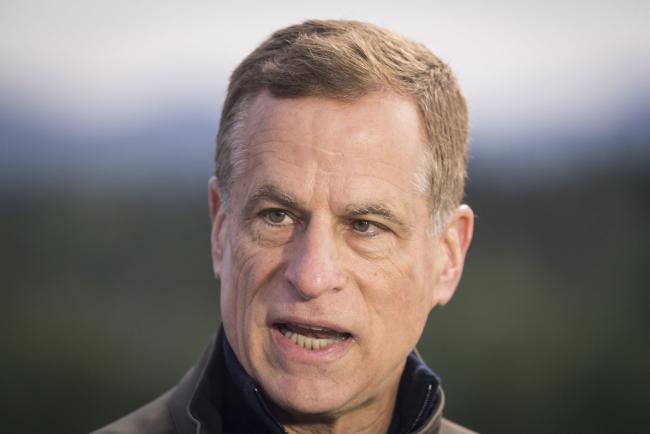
[108,112]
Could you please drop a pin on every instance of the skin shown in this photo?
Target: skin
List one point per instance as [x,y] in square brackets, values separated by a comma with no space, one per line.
[328,227]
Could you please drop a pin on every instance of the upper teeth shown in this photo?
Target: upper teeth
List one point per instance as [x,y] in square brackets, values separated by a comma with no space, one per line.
[307,342]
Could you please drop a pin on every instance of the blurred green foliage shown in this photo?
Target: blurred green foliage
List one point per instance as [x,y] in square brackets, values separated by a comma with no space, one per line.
[108,299]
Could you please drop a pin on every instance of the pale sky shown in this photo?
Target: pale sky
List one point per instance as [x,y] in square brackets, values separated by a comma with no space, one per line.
[524,65]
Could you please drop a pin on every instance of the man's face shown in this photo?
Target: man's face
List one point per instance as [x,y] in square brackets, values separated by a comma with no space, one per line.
[326,256]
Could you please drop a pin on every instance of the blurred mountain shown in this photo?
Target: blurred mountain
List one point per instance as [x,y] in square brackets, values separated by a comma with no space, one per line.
[556,154]
[172,152]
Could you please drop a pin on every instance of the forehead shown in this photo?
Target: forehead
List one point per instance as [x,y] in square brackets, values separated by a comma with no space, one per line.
[379,134]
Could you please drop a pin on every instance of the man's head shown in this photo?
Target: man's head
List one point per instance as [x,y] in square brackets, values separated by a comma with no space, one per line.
[336,217]
[345,60]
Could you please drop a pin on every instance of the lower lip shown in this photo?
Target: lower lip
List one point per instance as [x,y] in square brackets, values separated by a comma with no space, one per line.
[297,353]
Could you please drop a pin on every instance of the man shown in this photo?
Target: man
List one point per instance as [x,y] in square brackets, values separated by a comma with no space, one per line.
[337,226]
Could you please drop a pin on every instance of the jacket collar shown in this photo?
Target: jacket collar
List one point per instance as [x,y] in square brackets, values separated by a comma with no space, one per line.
[201,388]
[192,387]
[417,396]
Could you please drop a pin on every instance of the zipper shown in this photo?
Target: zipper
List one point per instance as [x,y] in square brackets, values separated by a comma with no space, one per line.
[425,405]
[260,399]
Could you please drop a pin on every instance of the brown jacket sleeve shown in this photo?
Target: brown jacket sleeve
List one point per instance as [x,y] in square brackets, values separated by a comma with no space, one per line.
[448,427]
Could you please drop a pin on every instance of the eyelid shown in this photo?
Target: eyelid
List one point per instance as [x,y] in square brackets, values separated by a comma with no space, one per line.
[379,228]
[266,211]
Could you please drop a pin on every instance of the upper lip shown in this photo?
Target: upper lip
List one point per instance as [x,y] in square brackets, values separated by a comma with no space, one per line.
[313,323]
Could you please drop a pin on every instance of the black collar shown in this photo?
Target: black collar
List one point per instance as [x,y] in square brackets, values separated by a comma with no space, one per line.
[245,411]
[417,397]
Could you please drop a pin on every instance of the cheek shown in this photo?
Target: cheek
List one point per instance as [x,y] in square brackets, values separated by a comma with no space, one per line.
[235,285]
[243,306]
[397,292]
[251,269]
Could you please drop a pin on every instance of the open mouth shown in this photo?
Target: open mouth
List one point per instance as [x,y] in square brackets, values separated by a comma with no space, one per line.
[311,338]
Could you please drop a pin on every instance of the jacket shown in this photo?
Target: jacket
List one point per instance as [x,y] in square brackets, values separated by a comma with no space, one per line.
[175,412]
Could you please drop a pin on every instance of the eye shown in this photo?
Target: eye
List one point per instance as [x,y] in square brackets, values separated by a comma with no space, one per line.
[361,225]
[366,227]
[276,217]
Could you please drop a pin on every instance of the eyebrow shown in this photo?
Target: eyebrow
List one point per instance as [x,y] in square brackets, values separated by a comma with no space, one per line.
[375,209]
[274,194]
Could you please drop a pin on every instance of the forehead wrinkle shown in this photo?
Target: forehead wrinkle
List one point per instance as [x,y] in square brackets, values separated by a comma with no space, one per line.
[266,133]
[419,169]
[409,188]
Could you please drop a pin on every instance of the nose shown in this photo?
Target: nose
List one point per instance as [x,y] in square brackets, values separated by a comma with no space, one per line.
[315,267]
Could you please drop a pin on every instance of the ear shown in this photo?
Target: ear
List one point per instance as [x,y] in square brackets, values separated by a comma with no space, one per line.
[454,242]
[217,217]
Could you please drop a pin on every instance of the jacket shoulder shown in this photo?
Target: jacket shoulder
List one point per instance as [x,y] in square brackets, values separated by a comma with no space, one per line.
[153,418]
[448,427]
